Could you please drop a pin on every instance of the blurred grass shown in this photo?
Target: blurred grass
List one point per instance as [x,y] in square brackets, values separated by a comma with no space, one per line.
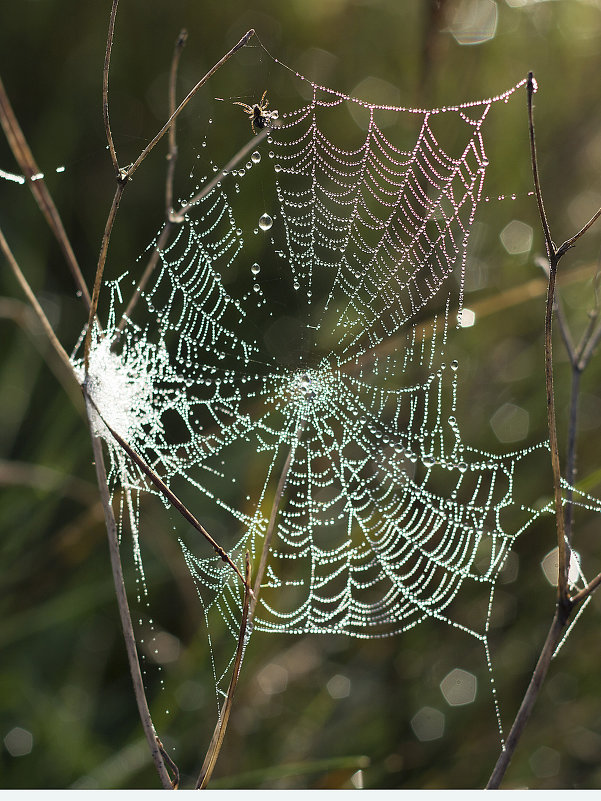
[63,675]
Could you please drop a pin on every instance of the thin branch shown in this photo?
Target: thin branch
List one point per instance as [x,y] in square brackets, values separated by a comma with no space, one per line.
[571,451]
[272,520]
[100,269]
[178,216]
[537,190]
[29,168]
[171,765]
[148,270]
[590,588]
[105,86]
[128,632]
[164,489]
[562,586]
[172,154]
[45,323]
[133,167]
[564,328]
[590,348]
[219,733]
[525,710]
[569,243]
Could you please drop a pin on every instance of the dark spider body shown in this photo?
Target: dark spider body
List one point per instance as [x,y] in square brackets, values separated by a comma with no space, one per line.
[258,114]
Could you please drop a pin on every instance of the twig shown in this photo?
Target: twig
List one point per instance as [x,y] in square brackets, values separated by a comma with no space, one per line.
[566,604]
[540,671]
[164,489]
[174,217]
[100,269]
[272,520]
[58,348]
[219,733]
[133,167]
[250,603]
[554,256]
[178,216]
[105,86]
[171,764]
[29,168]
[172,154]
[128,632]
[148,270]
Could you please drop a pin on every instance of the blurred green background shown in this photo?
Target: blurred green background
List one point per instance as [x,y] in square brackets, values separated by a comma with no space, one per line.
[310,712]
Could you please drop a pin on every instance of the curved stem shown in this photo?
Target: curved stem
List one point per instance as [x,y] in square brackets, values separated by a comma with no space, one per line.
[105,86]
[219,733]
[525,710]
[131,169]
[124,613]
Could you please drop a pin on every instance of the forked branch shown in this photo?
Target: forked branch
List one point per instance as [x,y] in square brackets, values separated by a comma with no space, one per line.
[566,603]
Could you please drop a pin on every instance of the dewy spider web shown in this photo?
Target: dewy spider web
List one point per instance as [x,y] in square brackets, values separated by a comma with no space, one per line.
[323,332]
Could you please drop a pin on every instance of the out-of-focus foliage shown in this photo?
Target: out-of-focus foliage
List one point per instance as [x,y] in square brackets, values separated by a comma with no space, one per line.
[310,712]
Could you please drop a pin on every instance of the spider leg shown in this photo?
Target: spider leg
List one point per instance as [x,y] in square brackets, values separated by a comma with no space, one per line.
[245,106]
[264,103]
[252,125]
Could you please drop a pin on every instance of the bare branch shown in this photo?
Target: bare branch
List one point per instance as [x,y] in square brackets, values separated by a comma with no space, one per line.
[178,216]
[37,185]
[525,710]
[537,190]
[272,520]
[105,86]
[100,268]
[164,489]
[133,167]
[128,631]
[45,323]
[172,154]
[219,733]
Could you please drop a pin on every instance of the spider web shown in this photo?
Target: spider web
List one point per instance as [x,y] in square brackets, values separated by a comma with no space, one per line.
[304,308]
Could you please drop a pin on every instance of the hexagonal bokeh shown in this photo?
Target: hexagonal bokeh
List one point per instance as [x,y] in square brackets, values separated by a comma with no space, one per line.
[428,724]
[18,742]
[459,687]
[550,567]
[474,21]
[517,237]
[510,423]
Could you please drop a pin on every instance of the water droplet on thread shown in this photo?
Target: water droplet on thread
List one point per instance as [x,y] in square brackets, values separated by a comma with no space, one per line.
[256,157]
[255,269]
[265,222]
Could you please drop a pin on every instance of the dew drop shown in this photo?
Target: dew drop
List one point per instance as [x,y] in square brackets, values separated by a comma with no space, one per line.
[277,167]
[256,157]
[265,222]
[249,165]
[454,364]
[256,288]
[255,269]
[271,154]
[296,285]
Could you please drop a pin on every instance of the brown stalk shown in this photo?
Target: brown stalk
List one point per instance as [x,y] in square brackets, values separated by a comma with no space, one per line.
[172,154]
[133,167]
[128,631]
[250,603]
[169,494]
[105,86]
[29,168]
[178,216]
[566,603]
[48,330]
[219,733]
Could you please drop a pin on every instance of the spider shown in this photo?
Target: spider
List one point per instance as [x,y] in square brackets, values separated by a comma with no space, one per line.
[258,114]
